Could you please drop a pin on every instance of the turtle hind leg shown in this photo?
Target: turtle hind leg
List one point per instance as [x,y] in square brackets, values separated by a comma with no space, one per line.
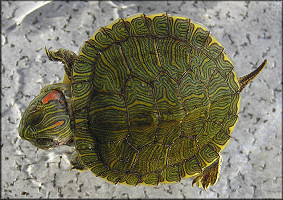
[209,176]
[76,162]
[65,56]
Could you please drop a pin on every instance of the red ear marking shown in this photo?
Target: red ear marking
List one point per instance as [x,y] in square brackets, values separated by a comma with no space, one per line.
[55,94]
[59,123]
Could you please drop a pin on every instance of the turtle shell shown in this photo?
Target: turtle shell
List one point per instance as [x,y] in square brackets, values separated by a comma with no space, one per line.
[155,100]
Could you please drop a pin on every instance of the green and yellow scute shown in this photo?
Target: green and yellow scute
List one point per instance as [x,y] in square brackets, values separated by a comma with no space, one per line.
[155,100]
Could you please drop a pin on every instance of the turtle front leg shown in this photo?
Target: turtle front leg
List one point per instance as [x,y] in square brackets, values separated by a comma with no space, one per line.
[209,176]
[76,162]
[65,56]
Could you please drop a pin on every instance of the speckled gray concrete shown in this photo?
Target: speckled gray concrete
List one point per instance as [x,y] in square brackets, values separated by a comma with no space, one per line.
[250,33]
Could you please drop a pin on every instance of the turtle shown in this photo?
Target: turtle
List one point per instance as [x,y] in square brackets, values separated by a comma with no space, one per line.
[149,99]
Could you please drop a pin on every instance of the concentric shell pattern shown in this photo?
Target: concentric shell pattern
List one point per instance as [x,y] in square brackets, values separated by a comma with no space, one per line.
[155,100]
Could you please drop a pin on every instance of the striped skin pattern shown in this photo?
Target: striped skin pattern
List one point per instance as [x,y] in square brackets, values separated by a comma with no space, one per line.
[46,122]
[155,100]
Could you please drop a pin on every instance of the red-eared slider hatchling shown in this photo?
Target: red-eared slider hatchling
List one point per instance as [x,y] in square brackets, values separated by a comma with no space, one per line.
[149,99]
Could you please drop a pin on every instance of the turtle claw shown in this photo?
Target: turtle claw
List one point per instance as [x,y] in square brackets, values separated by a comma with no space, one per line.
[209,176]
[201,182]
[76,162]
[65,56]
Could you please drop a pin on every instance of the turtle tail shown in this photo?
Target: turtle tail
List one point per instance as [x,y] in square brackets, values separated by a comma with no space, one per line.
[245,80]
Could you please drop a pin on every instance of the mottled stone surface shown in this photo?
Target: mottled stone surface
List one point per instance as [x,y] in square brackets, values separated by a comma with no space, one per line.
[250,33]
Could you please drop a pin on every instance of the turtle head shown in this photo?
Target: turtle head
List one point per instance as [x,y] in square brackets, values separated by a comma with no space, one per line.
[46,123]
